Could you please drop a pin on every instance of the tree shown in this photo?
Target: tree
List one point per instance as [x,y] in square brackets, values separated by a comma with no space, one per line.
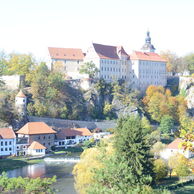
[187,132]
[90,69]
[189,60]
[179,164]
[159,102]
[19,64]
[166,124]
[130,166]
[175,63]
[7,108]
[160,168]
[157,148]
[26,185]
[146,125]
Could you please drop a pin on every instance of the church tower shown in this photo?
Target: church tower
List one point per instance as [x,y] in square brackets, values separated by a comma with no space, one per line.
[148,46]
[20,102]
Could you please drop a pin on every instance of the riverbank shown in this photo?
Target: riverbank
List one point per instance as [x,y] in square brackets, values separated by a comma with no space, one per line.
[18,162]
[13,163]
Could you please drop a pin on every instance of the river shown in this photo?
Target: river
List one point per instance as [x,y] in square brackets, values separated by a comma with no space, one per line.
[60,166]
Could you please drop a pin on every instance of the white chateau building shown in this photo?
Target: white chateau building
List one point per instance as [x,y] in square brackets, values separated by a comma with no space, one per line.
[139,69]
[67,60]
[112,61]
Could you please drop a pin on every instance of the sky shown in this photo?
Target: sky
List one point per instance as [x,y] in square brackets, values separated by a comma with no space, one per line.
[31,26]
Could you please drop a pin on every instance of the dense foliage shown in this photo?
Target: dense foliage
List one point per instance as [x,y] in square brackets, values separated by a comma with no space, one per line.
[159,102]
[119,165]
[52,96]
[26,185]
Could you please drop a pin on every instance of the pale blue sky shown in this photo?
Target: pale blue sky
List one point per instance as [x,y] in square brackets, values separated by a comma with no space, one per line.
[33,25]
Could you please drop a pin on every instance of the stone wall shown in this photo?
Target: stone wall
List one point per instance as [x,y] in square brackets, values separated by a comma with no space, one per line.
[12,82]
[62,123]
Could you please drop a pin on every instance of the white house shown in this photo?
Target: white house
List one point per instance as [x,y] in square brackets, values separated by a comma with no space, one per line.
[149,69]
[67,60]
[112,62]
[100,135]
[36,149]
[174,148]
[7,142]
[71,136]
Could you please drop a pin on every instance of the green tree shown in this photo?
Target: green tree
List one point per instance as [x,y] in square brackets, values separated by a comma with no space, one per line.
[166,124]
[19,64]
[7,108]
[130,166]
[90,69]
[157,148]
[179,164]
[146,125]
[189,59]
[26,185]
[160,168]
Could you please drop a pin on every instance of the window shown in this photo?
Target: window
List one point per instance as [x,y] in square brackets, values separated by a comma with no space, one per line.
[2,143]
[9,149]
[5,149]
[10,143]
[77,62]
[2,149]
[5,142]
[44,137]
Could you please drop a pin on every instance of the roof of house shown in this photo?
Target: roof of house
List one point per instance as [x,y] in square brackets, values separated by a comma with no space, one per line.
[66,53]
[21,94]
[35,128]
[109,52]
[146,56]
[7,133]
[36,146]
[73,132]
[175,144]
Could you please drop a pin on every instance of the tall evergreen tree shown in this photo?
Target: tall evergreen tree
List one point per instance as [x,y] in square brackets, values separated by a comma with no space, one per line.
[131,166]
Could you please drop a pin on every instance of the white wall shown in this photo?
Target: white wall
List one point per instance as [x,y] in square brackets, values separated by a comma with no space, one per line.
[66,142]
[149,73]
[12,82]
[167,153]
[7,147]
[39,152]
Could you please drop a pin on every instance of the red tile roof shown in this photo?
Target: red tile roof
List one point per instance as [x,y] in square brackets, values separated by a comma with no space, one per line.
[36,146]
[35,128]
[73,132]
[7,133]
[146,56]
[175,144]
[66,53]
[109,52]
[21,94]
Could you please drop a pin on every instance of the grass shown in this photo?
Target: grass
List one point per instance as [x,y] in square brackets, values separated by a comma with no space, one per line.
[188,189]
[13,163]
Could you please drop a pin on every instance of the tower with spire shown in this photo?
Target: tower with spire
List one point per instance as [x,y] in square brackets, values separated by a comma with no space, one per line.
[148,46]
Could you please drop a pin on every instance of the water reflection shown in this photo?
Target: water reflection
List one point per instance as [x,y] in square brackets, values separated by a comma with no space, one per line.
[32,171]
[63,171]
